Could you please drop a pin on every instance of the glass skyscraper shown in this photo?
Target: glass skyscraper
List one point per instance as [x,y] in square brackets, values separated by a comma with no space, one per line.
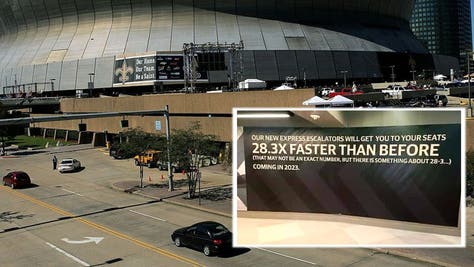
[444,26]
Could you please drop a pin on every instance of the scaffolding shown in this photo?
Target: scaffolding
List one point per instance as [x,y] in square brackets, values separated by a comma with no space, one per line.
[191,64]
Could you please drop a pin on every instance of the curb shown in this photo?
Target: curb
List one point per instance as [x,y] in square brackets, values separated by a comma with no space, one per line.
[174,202]
[197,208]
[136,193]
[414,257]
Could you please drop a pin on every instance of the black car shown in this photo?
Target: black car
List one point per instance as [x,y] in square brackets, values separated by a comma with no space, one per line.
[208,237]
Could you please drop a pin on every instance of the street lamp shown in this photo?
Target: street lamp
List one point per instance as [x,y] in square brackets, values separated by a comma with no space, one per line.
[413,74]
[392,75]
[469,54]
[52,83]
[344,72]
[90,85]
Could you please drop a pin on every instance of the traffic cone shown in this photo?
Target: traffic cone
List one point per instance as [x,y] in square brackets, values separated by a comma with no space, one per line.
[162,177]
[149,178]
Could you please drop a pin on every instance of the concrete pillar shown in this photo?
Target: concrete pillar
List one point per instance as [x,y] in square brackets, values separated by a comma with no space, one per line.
[28,131]
[66,136]
[54,135]
[79,138]
[44,132]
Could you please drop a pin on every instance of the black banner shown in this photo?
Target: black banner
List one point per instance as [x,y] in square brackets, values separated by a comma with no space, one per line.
[406,173]
[170,67]
[136,69]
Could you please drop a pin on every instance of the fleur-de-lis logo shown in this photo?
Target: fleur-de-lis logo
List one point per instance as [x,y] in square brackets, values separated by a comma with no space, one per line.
[124,71]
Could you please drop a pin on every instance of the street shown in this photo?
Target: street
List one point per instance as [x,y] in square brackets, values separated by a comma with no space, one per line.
[77,219]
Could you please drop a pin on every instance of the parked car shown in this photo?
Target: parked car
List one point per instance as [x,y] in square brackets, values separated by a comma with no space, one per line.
[345,92]
[69,165]
[208,237]
[163,166]
[149,158]
[17,179]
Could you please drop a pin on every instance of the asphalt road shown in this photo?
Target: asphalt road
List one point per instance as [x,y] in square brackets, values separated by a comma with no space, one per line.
[77,219]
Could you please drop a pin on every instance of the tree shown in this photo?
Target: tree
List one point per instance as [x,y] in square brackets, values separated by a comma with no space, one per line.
[187,149]
[8,133]
[135,141]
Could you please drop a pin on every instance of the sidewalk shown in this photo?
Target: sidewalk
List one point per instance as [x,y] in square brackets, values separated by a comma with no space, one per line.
[215,195]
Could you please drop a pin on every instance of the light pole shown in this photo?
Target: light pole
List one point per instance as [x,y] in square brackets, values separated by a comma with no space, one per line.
[168,143]
[304,77]
[392,75]
[344,72]
[413,74]
[90,85]
[52,83]
[469,54]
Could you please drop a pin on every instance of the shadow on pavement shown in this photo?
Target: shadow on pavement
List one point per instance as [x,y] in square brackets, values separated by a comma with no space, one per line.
[76,216]
[26,152]
[234,252]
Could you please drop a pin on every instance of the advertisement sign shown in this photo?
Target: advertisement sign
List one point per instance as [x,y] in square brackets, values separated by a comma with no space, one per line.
[136,69]
[170,67]
[152,68]
[407,173]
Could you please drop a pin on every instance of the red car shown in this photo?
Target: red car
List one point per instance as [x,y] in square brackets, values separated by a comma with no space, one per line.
[17,179]
[345,92]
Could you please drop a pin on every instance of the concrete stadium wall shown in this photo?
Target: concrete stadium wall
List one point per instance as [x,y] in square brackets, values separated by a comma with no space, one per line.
[181,104]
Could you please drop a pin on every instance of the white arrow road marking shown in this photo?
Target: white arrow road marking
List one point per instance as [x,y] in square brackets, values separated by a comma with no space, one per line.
[149,216]
[72,192]
[83,263]
[88,239]
[287,256]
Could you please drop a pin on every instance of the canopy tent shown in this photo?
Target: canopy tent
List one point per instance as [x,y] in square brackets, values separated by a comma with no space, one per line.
[439,77]
[283,87]
[339,100]
[252,84]
[316,101]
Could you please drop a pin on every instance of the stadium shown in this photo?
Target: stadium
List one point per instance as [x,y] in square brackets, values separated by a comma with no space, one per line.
[61,46]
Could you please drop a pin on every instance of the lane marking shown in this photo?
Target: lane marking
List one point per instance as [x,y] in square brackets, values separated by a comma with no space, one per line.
[72,192]
[287,256]
[149,216]
[83,263]
[88,239]
[102,228]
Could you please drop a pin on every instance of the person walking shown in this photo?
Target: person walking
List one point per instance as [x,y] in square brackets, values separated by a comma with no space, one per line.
[55,162]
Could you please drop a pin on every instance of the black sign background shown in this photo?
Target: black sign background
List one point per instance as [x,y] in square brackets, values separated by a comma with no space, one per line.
[424,192]
[170,67]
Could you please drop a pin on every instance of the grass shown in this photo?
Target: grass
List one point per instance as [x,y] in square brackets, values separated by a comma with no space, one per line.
[24,141]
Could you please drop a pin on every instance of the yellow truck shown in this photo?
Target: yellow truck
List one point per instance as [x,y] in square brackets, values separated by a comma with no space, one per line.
[150,158]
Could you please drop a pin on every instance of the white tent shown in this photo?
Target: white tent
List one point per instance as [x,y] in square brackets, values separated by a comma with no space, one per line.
[339,100]
[252,84]
[316,101]
[439,77]
[283,87]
